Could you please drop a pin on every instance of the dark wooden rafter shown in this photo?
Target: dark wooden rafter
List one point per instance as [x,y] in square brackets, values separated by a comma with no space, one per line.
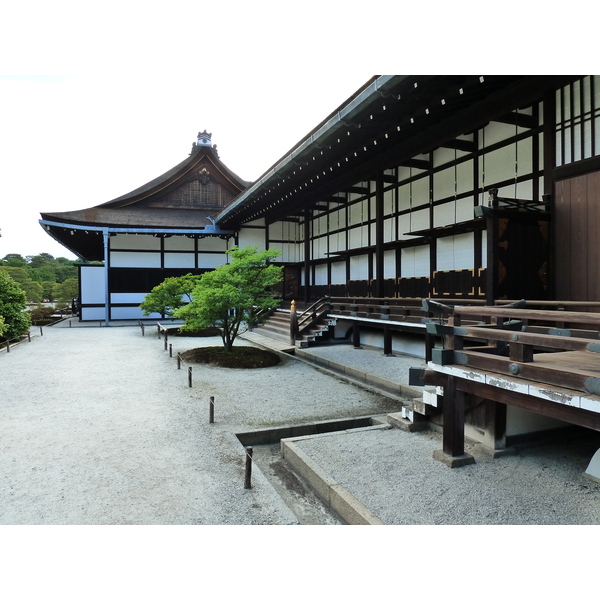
[518,119]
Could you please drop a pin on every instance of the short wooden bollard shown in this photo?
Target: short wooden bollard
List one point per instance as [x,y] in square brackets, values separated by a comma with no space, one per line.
[248,479]
[142,326]
[29,336]
[178,361]
[41,331]
[8,345]
[211,410]
[189,376]
[166,341]
[170,350]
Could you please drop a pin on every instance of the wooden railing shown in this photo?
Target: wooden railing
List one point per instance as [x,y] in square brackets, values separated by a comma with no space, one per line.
[552,347]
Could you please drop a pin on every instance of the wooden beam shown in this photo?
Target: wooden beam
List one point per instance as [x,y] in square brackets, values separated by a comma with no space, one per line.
[518,119]
[463,145]
[555,410]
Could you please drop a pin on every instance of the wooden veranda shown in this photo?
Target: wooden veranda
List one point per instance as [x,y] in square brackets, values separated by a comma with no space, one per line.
[545,361]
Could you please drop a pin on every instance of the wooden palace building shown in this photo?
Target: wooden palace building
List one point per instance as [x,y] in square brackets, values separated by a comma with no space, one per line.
[465,189]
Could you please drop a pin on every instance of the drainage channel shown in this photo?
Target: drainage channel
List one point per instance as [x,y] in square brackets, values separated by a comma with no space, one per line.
[293,489]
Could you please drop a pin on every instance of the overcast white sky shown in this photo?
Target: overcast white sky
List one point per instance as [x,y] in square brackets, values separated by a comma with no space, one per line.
[72,142]
[145,77]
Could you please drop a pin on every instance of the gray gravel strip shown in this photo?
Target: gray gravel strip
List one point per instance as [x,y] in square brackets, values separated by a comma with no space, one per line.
[99,427]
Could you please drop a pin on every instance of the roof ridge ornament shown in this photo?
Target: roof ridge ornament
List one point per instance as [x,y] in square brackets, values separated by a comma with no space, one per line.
[203,141]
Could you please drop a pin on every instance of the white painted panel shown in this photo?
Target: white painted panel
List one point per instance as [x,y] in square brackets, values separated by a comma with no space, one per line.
[389,229]
[443,214]
[404,222]
[359,267]
[464,209]
[251,237]
[210,261]
[445,254]
[93,287]
[500,164]
[179,242]
[520,421]
[420,192]
[357,237]
[404,197]
[407,262]
[422,263]
[129,312]
[276,231]
[419,220]
[148,260]
[444,184]
[464,177]
[388,202]
[127,298]
[455,252]
[496,132]
[131,241]
[484,249]
[321,275]
[389,264]
[464,251]
[96,313]
[338,273]
[180,260]
[358,213]
[212,244]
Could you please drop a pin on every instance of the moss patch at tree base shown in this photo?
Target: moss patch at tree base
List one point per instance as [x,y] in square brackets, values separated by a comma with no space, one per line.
[241,357]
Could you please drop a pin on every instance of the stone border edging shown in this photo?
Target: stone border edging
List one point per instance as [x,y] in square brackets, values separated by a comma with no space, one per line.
[333,494]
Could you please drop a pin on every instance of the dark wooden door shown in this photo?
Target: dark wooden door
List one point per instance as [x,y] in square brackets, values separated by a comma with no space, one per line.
[576,238]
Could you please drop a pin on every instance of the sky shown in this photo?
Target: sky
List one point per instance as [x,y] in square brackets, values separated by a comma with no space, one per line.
[97,100]
[72,142]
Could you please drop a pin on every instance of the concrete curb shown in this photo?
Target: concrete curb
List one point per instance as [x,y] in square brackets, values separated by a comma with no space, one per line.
[333,494]
[362,377]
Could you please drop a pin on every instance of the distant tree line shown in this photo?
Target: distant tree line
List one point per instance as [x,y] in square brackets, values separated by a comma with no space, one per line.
[43,277]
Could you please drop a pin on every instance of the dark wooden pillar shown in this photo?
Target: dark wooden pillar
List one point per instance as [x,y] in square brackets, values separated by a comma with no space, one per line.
[387,341]
[356,334]
[307,277]
[378,292]
[454,420]
[453,442]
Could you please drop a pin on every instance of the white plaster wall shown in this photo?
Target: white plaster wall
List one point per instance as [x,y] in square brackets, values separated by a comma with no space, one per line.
[149,260]
[519,421]
[321,275]
[389,204]
[126,298]
[93,288]
[130,312]
[210,261]
[251,237]
[93,313]
[419,220]
[359,267]
[180,260]
[389,264]
[179,242]
[455,252]
[131,241]
[415,262]
[212,244]
[338,273]
[358,237]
